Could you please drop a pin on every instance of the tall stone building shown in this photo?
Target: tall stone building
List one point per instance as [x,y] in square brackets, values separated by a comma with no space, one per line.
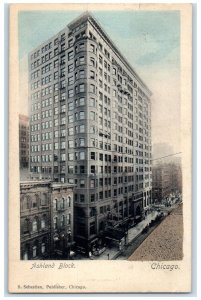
[90,123]
[24,141]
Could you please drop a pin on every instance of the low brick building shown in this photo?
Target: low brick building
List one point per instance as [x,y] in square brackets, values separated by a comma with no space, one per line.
[46,219]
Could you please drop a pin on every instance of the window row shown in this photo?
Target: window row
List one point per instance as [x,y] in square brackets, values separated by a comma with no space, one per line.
[36,250]
[34,225]
[34,201]
[76,130]
[62,221]
[62,203]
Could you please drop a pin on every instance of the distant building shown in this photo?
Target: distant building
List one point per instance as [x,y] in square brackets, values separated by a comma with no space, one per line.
[46,218]
[24,141]
[166,179]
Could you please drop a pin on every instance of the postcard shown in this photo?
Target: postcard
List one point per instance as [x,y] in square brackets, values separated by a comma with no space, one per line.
[100,101]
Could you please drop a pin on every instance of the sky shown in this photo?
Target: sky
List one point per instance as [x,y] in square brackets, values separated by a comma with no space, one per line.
[149,40]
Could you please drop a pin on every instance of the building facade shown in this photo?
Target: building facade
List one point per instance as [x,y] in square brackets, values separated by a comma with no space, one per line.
[24,141]
[166,179]
[45,229]
[90,125]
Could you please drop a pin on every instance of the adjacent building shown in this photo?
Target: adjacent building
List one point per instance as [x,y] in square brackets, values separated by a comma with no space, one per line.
[90,125]
[46,217]
[24,141]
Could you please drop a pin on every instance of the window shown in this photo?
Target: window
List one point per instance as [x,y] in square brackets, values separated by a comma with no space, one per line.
[55,204]
[82,198]
[82,155]
[70,144]
[55,221]
[70,93]
[63,145]
[92,102]
[82,101]
[82,46]
[56,98]
[81,60]
[34,225]
[43,223]
[56,87]
[92,129]
[81,88]
[70,80]
[82,169]
[68,219]
[92,88]
[92,197]
[82,128]
[93,156]
[62,47]
[92,169]
[92,116]
[70,43]
[63,60]
[70,68]
[63,108]
[82,183]
[92,48]
[92,75]
[63,157]
[100,59]
[26,203]
[82,115]
[43,248]
[70,169]
[26,226]
[34,202]
[56,75]
[82,74]
[56,110]
[70,119]
[68,201]
[70,55]
[34,251]
[56,63]
[70,156]
[92,62]
[62,221]
[70,106]
[82,142]
[92,183]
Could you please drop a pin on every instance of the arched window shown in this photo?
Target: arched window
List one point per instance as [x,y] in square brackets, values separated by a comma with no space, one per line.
[34,225]
[35,250]
[43,222]
[55,222]
[43,199]
[63,203]
[43,246]
[26,253]
[55,204]
[69,201]
[26,226]
[25,202]
[34,201]
[62,220]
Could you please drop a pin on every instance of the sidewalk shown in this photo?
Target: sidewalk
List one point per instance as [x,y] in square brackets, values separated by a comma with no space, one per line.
[132,234]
